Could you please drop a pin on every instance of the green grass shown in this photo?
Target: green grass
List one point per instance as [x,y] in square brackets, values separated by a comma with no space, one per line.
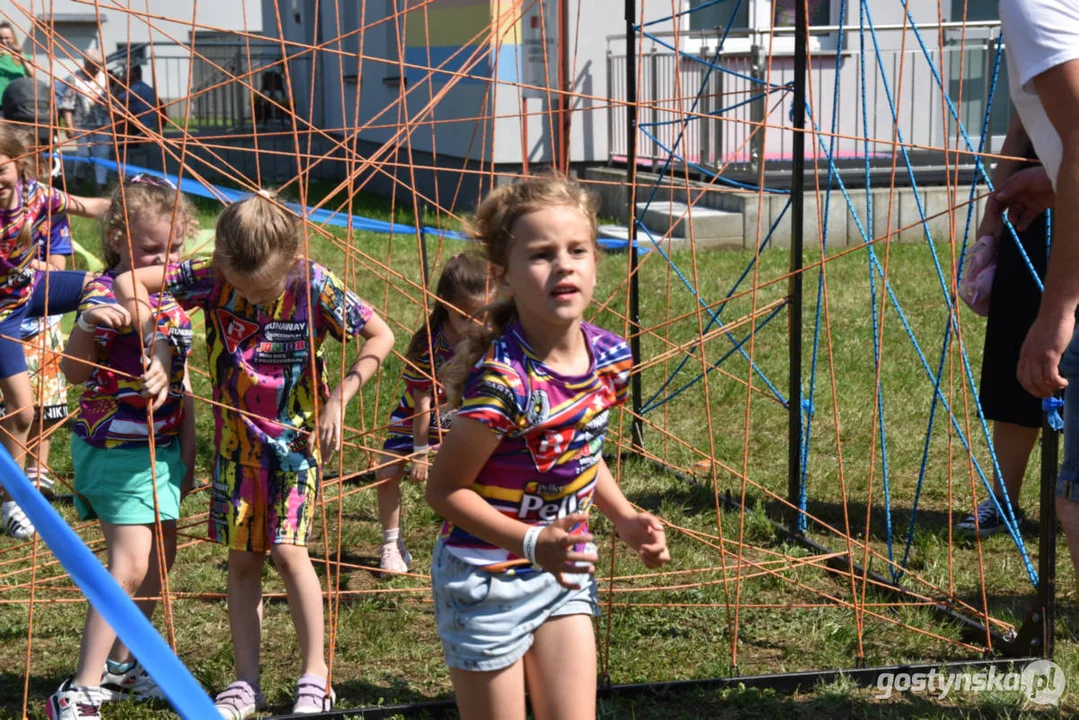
[386,649]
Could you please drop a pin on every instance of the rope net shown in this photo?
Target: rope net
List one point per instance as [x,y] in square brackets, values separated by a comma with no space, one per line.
[382,122]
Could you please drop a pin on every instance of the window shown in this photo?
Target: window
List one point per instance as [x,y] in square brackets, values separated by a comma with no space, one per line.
[751,20]
[717,15]
[820,12]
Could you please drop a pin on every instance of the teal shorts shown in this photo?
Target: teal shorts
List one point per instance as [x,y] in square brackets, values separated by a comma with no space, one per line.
[116,485]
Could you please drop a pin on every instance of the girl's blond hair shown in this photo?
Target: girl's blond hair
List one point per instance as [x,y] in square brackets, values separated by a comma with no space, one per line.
[139,198]
[14,145]
[254,232]
[492,225]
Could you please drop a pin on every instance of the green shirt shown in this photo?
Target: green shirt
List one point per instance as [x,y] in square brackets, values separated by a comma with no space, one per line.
[10,69]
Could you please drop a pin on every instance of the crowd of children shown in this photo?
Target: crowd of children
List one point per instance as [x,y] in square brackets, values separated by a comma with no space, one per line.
[516,422]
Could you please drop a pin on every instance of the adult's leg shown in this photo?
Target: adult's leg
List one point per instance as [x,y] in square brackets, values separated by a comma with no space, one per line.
[561,669]
[495,695]
[101,149]
[1013,445]
[129,555]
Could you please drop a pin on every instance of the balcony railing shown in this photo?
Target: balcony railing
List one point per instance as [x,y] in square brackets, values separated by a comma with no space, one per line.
[730,110]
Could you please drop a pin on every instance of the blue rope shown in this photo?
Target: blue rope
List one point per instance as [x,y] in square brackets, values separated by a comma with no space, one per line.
[713,66]
[715,365]
[948,326]
[722,307]
[712,313]
[1012,527]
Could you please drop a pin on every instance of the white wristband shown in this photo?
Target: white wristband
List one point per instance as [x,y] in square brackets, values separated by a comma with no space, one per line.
[417,449]
[83,325]
[530,541]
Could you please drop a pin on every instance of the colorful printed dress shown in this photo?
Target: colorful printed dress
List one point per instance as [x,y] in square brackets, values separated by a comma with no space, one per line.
[112,410]
[266,362]
[418,374]
[551,428]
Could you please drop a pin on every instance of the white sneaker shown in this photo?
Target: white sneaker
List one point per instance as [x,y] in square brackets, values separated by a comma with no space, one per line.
[136,684]
[394,557]
[15,522]
[311,697]
[72,702]
[239,701]
[42,480]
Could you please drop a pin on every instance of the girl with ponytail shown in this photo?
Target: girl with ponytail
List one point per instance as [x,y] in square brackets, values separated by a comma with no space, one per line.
[522,465]
[418,421]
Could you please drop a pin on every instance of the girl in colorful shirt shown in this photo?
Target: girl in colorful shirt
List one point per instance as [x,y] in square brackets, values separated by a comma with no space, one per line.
[520,468]
[126,475]
[27,210]
[267,313]
[461,291]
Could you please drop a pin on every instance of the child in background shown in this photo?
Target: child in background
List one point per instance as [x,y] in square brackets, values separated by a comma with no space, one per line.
[267,313]
[118,479]
[26,211]
[43,343]
[462,289]
[518,472]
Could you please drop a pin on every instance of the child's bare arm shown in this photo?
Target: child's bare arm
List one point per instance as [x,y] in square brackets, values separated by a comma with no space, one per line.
[81,348]
[378,342]
[641,531]
[421,429]
[132,290]
[377,345]
[188,438]
[87,207]
[421,420]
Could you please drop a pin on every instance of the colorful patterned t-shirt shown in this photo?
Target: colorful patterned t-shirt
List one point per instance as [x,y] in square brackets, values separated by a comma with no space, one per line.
[260,358]
[57,242]
[551,428]
[418,374]
[40,206]
[112,411]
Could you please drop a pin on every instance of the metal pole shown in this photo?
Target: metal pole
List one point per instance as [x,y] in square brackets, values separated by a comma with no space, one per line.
[794,457]
[631,176]
[563,86]
[1047,542]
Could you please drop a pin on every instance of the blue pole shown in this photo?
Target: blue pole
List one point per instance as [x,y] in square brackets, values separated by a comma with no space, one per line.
[187,697]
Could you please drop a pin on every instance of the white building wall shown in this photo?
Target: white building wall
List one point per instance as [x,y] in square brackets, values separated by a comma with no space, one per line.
[385,107]
[77,27]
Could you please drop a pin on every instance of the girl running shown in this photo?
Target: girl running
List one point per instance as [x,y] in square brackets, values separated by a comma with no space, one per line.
[523,464]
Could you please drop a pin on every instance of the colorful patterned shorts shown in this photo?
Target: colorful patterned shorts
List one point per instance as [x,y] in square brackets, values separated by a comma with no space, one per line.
[47,382]
[253,508]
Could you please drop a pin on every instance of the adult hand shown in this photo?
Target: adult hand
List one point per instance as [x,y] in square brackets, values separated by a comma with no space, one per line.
[1024,195]
[1046,341]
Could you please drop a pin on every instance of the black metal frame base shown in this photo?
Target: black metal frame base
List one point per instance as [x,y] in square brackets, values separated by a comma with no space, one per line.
[781,682]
